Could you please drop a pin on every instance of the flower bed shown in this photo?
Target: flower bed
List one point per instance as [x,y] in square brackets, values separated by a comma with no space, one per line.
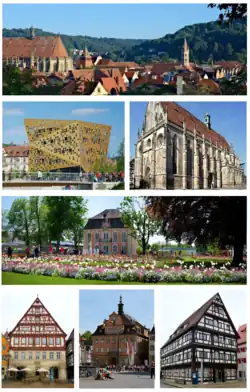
[124,269]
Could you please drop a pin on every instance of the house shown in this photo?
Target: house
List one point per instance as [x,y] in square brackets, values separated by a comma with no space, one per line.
[105,233]
[203,347]
[37,341]
[242,352]
[120,340]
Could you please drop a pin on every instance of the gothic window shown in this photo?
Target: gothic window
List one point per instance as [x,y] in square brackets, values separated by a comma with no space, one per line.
[174,154]
[159,140]
[149,143]
[189,158]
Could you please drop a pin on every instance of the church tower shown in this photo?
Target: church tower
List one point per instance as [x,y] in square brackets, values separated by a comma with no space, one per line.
[207,120]
[88,63]
[120,306]
[185,54]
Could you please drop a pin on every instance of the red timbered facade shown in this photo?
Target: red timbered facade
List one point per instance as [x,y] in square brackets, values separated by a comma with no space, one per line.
[38,342]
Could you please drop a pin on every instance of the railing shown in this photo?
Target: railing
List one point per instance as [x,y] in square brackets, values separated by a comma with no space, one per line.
[61,177]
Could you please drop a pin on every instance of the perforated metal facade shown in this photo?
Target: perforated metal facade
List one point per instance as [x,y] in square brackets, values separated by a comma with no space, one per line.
[58,144]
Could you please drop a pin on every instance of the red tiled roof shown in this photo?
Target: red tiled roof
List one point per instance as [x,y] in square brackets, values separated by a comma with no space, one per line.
[49,46]
[17,151]
[242,331]
[177,115]
[130,74]
[83,74]
[210,84]
[161,68]
[229,64]
[109,84]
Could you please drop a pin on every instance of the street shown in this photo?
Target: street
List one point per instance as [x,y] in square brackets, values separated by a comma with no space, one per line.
[120,381]
[163,385]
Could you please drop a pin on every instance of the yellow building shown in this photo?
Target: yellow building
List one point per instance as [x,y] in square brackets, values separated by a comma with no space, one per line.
[61,144]
[5,355]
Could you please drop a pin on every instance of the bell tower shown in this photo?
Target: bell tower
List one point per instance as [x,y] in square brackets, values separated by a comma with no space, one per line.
[207,120]
[185,54]
[88,63]
[120,306]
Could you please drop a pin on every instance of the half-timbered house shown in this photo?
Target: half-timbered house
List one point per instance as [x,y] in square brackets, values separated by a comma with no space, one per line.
[204,346]
[38,342]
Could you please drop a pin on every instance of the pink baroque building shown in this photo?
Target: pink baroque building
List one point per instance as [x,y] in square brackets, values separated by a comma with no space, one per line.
[105,233]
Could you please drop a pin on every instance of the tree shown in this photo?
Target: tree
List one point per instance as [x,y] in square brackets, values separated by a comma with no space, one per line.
[65,213]
[15,82]
[236,85]
[38,213]
[87,335]
[204,220]
[155,247]
[120,160]
[136,216]
[78,219]
[19,219]
[231,12]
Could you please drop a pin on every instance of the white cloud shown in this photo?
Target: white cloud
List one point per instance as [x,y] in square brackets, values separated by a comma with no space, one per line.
[13,112]
[88,111]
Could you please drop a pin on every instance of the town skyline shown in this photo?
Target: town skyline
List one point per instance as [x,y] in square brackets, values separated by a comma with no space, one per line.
[114,27]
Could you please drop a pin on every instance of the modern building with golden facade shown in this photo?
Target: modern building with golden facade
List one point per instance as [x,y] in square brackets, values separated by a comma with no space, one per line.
[66,144]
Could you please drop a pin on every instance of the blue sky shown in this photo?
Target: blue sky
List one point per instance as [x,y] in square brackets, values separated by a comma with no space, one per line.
[109,113]
[107,20]
[97,305]
[227,118]
[96,204]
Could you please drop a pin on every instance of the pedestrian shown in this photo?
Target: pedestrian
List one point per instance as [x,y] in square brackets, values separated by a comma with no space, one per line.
[9,252]
[36,252]
[152,373]
[62,250]
[27,251]
[50,249]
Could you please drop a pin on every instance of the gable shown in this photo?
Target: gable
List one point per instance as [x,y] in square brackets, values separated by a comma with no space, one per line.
[153,117]
[37,315]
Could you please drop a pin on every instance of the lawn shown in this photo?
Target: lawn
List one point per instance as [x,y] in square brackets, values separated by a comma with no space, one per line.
[12,278]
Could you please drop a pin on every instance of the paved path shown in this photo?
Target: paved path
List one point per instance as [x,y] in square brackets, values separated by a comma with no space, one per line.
[120,381]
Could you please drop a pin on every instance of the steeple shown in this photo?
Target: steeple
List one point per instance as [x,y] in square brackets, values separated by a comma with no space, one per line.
[185,53]
[120,306]
[88,63]
[32,33]
[207,120]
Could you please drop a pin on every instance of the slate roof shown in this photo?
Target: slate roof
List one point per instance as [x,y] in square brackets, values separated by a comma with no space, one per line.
[112,215]
[128,322]
[49,46]
[193,320]
[177,114]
